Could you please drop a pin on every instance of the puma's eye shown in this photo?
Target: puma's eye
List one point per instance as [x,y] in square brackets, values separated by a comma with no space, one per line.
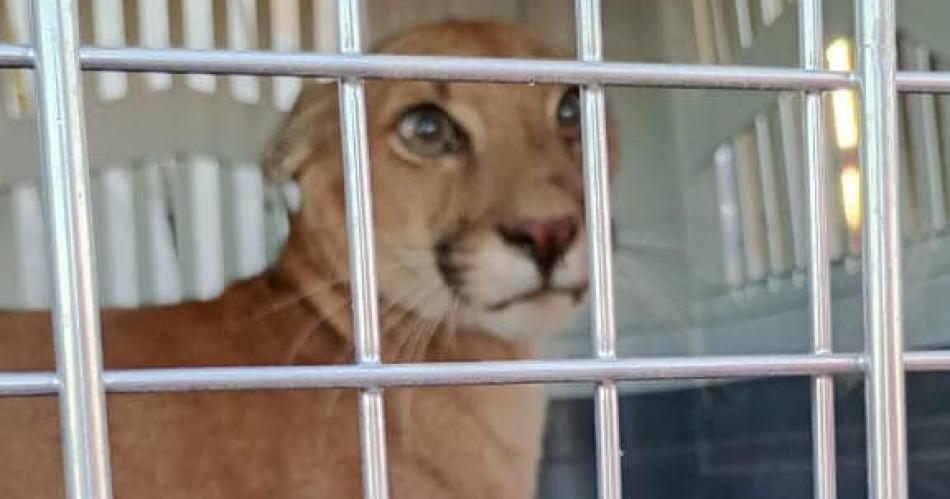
[569,114]
[428,131]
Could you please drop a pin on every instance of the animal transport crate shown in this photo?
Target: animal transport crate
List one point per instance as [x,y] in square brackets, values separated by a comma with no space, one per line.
[737,167]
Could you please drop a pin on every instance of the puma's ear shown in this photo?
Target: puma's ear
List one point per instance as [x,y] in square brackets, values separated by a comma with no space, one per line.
[310,128]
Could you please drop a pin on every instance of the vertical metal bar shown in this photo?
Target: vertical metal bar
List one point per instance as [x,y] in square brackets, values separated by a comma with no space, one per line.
[590,47]
[359,221]
[811,48]
[75,304]
[887,438]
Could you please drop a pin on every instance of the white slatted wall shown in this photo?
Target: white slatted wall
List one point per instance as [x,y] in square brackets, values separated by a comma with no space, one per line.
[759,176]
[169,228]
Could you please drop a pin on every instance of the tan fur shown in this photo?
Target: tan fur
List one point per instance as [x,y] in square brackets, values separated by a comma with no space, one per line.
[464,442]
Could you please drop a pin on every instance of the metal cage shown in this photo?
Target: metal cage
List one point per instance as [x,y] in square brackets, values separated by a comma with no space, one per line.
[80,382]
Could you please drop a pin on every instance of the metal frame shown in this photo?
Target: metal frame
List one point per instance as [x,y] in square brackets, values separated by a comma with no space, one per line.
[74,295]
[811,51]
[81,383]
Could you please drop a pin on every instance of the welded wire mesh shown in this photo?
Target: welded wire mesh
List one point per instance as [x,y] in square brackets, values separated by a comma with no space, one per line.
[80,382]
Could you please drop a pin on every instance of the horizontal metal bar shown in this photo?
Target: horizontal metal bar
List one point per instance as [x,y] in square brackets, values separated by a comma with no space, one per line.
[471,373]
[16,56]
[28,383]
[443,68]
[469,69]
[927,361]
[923,81]
[446,374]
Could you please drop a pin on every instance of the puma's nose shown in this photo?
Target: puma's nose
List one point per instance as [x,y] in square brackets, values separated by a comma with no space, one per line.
[545,241]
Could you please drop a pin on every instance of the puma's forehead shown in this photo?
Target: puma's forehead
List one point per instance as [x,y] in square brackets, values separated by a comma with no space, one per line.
[469,38]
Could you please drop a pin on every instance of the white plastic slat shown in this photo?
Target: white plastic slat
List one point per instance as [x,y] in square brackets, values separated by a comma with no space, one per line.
[108,22]
[18,90]
[729,216]
[910,216]
[750,202]
[245,228]
[926,144]
[790,124]
[721,32]
[744,23]
[154,32]
[553,19]
[159,276]
[198,225]
[466,9]
[29,243]
[771,11]
[703,28]
[15,86]
[285,37]
[199,34]
[242,35]
[943,118]
[9,267]
[838,244]
[775,228]
[114,200]
[324,25]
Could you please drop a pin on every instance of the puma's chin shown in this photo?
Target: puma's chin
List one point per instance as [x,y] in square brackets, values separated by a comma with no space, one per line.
[545,314]
[527,316]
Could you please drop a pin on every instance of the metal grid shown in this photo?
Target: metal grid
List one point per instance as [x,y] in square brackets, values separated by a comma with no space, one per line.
[81,383]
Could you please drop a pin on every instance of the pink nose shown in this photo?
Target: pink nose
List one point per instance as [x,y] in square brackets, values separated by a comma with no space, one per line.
[545,240]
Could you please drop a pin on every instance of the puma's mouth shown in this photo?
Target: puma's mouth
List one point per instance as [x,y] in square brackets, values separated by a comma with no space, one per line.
[574,292]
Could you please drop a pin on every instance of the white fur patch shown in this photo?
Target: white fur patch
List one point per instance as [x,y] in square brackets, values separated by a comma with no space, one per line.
[495,273]
[290,191]
[572,270]
[543,316]
[500,273]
